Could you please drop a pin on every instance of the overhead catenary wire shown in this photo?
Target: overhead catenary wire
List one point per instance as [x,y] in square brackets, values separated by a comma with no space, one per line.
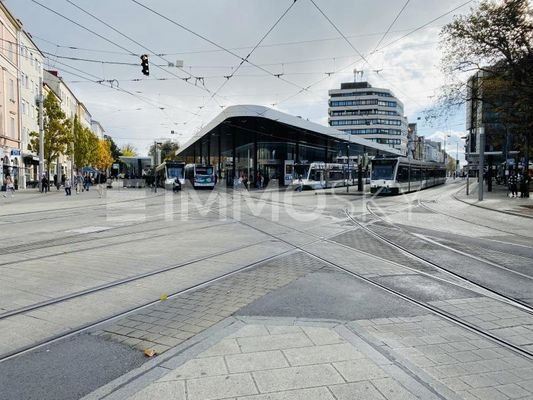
[101,36]
[197,78]
[214,43]
[391,25]
[379,49]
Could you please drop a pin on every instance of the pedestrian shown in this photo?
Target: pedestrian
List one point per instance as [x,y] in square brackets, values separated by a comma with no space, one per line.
[300,184]
[513,181]
[100,180]
[10,187]
[63,180]
[216,178]
[177,185]
[86,182]
[68,187]
[522,185]
[55,182]
[44,184]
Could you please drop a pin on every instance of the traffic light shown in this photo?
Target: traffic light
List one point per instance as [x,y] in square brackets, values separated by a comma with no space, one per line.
[144,64]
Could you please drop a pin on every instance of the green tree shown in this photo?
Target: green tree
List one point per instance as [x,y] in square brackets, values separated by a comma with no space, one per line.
[57,131]
[168,150]
[496,39]
[85,145]
[115,151]
[128,150]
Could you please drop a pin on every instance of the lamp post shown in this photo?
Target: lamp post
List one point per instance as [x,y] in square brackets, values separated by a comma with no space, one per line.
[156,143]
[349,172]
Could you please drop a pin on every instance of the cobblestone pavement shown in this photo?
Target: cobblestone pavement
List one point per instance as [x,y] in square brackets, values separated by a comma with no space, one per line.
[175,320]
[462,361]
[497,318]
[405,358]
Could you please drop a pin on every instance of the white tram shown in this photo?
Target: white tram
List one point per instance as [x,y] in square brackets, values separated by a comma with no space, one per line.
[167,172]
[402,175]
[319,175]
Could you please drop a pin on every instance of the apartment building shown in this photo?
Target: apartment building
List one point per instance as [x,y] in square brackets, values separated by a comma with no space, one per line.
[10,153]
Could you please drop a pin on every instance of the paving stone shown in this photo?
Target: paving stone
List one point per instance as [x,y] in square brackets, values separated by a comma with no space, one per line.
[222,348]
[392,390]
[220,387]
[250,330]
[255,361]
[359,390]
[321,336]
[359,370]
[274,342]
[162,390]
[322,354]
[302,394]
[514,391]
[296,378]
[198,368]
[478,381]
[488,394]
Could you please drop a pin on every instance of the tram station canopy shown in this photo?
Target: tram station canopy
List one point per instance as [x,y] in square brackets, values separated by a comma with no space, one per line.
[250,140]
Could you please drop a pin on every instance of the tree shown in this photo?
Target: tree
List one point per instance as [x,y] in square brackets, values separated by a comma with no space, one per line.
[115,151]
[57,131]
[104,158]
[494,41]
[128,150]
[167,150]
[85,145]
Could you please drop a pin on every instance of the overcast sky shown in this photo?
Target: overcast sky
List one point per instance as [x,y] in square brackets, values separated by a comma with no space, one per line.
[304,47]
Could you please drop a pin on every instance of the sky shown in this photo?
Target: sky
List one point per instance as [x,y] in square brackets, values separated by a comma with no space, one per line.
[295,50]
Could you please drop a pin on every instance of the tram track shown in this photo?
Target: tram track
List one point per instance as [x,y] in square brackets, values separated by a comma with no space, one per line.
[83,328]
[293,247]
[435,310]
[502,297]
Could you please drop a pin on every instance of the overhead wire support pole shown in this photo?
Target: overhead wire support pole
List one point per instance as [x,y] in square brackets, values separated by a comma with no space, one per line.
[41,135]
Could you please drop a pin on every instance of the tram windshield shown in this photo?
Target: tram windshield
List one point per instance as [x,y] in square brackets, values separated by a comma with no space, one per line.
[204,170]
[383,169]
[301,170]
[175,172]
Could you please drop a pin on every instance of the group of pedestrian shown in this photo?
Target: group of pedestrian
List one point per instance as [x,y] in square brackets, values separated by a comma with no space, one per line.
[518,182]
[81,183]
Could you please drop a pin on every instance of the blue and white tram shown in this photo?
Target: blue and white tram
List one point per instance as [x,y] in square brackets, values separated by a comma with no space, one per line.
[167,172]
[200,175]
[402,175]
[319,175]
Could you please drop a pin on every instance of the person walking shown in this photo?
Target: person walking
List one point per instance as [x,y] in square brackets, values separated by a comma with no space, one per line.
[10,187]
[100,180]
[300,184]
[86,182]
[513,181]
[522,185]
[68,187]
[44,184]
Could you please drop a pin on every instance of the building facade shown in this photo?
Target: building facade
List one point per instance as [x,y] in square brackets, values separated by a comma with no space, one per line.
[69,105]
[10,153]
[374,114]
[97,129]
[31,75]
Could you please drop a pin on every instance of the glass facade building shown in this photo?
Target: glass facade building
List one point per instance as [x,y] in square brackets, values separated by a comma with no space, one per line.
[252,141]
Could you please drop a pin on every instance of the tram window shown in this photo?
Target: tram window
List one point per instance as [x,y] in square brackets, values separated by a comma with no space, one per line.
[336,175]
[415,174]
[383,171]
[403,174]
